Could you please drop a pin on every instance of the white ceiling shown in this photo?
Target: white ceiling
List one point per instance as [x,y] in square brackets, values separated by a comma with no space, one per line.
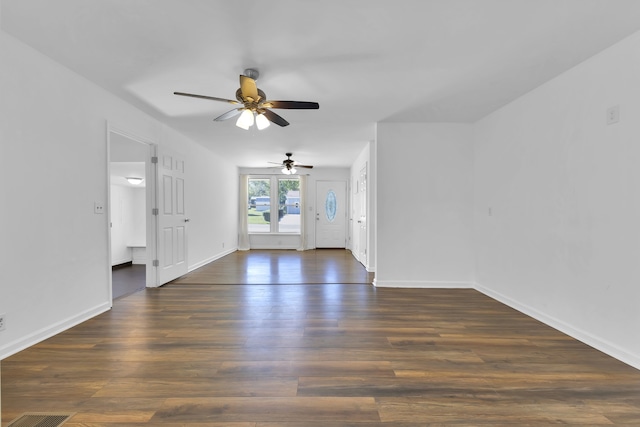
[364,61]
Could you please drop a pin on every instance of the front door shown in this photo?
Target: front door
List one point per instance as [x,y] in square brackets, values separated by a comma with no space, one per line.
[172,220]
[331,214]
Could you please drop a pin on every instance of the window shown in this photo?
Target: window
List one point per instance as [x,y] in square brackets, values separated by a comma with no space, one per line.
[259,202]
[274,205]
[289,201]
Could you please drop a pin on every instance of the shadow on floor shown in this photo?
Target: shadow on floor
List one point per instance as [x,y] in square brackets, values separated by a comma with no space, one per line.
[127,279]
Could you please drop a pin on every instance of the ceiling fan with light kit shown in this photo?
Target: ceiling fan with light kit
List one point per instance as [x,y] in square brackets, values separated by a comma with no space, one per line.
[256,108]
[289,165]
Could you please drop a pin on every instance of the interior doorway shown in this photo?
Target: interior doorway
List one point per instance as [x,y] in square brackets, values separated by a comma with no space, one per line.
[131,235]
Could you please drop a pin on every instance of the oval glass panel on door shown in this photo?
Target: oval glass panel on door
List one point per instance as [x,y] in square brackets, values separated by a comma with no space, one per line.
[330,205]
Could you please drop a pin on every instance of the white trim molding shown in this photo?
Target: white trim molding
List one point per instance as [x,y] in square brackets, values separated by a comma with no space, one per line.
[421,284]
[44,333]
[211,259]
[577,333]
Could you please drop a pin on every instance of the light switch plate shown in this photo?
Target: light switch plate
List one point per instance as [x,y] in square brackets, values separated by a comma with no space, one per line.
[98,208]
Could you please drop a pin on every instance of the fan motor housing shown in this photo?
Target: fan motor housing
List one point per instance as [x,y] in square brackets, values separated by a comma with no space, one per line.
[252,73]
[261,94]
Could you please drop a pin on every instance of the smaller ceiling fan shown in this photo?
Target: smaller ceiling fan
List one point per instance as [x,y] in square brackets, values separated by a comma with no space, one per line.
[289,166]
[256,108]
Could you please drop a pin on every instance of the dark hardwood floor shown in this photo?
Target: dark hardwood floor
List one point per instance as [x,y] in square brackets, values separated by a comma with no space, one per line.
[127,279]
[317,355]
[272,267]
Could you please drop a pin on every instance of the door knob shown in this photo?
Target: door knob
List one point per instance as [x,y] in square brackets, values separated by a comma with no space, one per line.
[187,220]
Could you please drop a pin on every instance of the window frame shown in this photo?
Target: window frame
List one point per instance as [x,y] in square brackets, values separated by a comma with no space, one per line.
[274,188]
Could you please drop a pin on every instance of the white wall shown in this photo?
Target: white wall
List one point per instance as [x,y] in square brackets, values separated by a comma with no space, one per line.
[138,217]
[211,203]
[128,222]
[562,242]
[54,258]
[281,241]
[424,205]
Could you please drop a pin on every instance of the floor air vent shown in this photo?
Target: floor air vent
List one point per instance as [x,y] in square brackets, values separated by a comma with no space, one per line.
[37,419]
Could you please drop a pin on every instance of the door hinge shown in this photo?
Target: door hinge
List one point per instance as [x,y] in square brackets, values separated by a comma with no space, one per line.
[155,211]
[156,263]
[154,159]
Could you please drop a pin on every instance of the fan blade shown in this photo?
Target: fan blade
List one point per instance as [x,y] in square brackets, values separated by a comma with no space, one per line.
[292,105]
[274,163]
[248,88]
[228,115]
[212,98]
[303,166]
[273,117]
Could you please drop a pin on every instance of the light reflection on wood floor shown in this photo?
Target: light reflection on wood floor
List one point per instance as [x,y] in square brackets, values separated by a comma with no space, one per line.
[260,267]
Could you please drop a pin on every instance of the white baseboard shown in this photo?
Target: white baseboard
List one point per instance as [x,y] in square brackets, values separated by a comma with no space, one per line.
[211,259]
[577,333]
[421,284]
[283,247]
[44,333]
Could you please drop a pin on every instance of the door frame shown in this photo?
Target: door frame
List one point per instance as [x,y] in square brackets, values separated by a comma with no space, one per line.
[151,203]
[360,204]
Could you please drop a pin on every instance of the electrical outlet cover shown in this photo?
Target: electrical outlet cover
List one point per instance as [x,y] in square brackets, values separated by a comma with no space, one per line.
[613,114]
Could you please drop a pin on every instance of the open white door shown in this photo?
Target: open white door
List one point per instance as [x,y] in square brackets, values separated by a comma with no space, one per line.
[331,214]
[362,216]
[172,220]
